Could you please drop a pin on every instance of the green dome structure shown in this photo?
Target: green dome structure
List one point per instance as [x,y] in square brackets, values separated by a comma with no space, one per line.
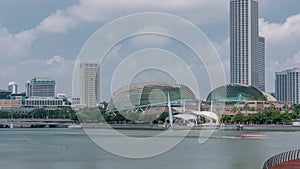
[149,93]
[236,92]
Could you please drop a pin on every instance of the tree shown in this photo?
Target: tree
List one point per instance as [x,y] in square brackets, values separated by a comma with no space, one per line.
[163,116]
[286,117]
[226,119]
[234,109]
[246,107]
[285,107]
[263,98]
[239,118]
[296,108]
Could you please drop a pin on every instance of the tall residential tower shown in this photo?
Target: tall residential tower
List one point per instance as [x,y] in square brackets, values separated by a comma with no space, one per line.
[247,54]
[89,84]
[287,85]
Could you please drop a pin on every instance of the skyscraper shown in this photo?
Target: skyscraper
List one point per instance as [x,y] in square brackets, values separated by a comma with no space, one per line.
[89,84]
[40,87]
[246,48]
[287,85]
[13,87]
[260,73]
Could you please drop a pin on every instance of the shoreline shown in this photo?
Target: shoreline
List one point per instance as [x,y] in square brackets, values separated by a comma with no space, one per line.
[160,127]
[226,127]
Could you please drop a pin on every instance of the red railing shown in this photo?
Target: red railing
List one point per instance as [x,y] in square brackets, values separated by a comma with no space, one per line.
[281,158]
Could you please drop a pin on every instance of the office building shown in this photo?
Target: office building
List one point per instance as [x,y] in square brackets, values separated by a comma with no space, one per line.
[287,85]
[261,64]
[89,84]
[40,87]
[246,47]
[13,87]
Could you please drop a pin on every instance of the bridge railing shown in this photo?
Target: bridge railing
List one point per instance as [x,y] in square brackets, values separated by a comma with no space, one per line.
[281,158]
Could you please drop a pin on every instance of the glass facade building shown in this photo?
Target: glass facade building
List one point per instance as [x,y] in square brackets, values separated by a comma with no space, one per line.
[235,92]
[287,85]
[151,93]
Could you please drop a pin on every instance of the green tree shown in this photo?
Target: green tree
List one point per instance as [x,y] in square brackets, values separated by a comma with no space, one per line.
[263,98]
[239,118]
[286,117]
[246,107]
[234,109]
[226,119]
[163,116]
[296,109]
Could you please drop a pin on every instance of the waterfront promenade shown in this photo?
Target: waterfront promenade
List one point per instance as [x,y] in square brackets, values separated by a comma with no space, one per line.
[36,123]
[294,164]
[285,160]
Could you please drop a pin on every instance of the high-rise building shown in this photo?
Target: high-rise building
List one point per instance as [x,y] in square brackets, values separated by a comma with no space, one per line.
[40,87]
[260,73]
[287,85]
[13,87]
[245,45]
[89,84]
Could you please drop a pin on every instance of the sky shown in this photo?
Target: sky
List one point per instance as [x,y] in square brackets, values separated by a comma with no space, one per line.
[44,37]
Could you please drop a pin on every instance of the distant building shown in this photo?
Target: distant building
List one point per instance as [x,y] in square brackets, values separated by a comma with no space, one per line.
[287,85]
[149,97]
[44,102]
[13,87]
[40,87]
[227,97]
[7,103]
[246,47]
[74,100]
[61,95]
[4,94]
[89,84]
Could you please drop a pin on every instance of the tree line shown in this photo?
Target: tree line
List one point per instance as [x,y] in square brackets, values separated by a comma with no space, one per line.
[266,116]
[63,113]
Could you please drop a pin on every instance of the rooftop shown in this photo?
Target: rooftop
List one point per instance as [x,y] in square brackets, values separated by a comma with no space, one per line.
[42,79]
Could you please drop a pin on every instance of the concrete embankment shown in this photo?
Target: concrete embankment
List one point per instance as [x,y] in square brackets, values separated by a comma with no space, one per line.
[264,127]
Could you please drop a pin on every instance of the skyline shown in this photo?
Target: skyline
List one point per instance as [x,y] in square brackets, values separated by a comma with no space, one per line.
[46,41]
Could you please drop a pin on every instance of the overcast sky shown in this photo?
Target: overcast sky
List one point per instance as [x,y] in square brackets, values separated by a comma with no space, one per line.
[44,37]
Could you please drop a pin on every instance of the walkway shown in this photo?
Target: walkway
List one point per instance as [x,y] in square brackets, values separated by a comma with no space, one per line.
[294,164]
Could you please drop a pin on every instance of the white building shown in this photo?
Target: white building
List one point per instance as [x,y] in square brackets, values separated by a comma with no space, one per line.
[287,85]
[44,102]
[246,48]
[13,87]
[89,84]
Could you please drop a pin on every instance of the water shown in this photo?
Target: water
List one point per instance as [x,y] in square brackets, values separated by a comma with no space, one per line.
[72,149]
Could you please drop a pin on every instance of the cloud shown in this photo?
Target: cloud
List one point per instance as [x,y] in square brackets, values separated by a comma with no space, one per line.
[282,46]
[95,11]
[56,67]
[55,60]
[278,32]
[12,45]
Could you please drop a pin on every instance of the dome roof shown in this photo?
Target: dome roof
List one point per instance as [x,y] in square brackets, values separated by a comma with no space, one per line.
[140,94]
[236,92]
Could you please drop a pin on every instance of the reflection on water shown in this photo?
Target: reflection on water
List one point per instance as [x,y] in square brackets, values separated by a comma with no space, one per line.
[72,149]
